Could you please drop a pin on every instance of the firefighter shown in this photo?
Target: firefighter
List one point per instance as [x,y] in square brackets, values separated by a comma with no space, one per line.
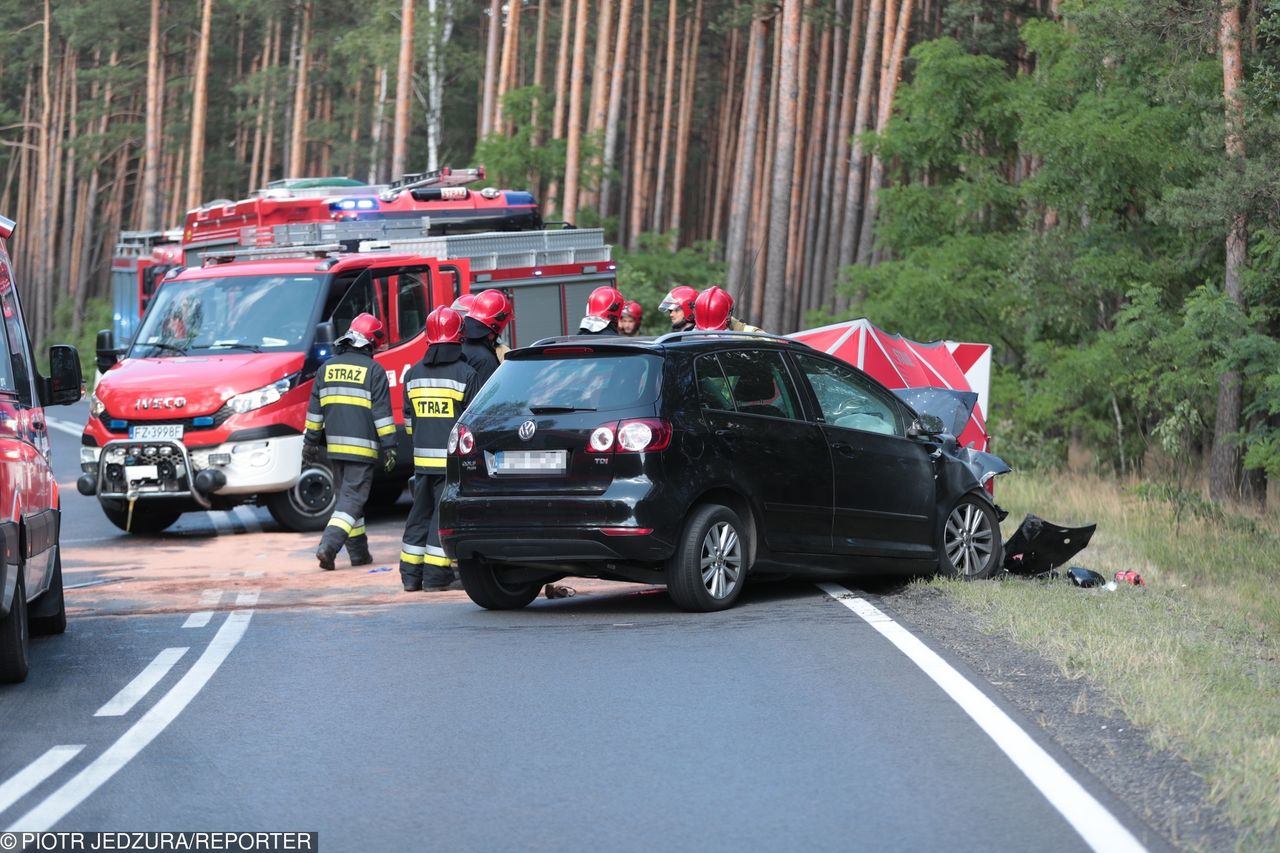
[679,304]
[350,412]
[437,390]
[604,308]
[714,312]
[629,322]
[489,315]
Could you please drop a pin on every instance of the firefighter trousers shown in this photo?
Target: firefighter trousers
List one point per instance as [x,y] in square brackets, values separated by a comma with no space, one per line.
[422,560]
[351,484]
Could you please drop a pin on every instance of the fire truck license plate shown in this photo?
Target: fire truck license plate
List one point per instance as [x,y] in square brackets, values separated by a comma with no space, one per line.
[529,461]
[156,432]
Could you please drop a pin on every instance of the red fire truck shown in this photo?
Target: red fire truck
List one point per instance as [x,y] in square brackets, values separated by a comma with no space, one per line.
[138,265]
[204,409]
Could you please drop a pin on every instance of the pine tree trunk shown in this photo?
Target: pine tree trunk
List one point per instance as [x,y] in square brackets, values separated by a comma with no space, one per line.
[573,154]
[617,83]
[888,89]
[404,96]
[639,134]
[599,100]
[491,69]
[259,123]
[726,138]
[540,66]
[506,72]
[795,235]
[69,187]
[298,136]
[743,172]
[820,148]
[853,189]
[561,88]
[199,108]
[765,193]
[1224,458]
[688,85]
[664,136]
[151,150]
[376,153]
[441,32]
[353,142]
[838,144]
[269,139]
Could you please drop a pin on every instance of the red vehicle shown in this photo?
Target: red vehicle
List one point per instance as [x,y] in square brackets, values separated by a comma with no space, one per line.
[30,513]
[449,207]
[138,265]
[205,410]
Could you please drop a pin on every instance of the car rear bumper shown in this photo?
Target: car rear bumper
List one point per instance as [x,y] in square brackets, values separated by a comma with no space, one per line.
[554,546]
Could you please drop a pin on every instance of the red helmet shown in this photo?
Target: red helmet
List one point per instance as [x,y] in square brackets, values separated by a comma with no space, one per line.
[712,309]
[682,296]
[633,309]
[365,329]
[463,303]
[444,326]
[493,308]
[604,306]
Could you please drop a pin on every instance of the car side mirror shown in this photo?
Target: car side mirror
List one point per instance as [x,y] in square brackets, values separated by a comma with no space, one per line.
[926,425]
[65,383]
[105,351]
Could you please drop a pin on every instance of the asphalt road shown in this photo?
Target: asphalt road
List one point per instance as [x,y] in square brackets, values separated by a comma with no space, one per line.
[609,720]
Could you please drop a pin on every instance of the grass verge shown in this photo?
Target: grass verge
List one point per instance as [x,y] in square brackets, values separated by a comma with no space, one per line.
[1194,658]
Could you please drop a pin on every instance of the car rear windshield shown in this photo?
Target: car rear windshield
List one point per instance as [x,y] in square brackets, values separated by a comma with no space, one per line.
[595,383]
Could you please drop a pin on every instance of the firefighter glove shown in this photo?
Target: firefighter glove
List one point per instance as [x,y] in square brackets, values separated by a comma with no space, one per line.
[310,452]
[389,459]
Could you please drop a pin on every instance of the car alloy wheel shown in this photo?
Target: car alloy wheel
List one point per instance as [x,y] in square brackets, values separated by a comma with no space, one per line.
[969,540]
[721,561]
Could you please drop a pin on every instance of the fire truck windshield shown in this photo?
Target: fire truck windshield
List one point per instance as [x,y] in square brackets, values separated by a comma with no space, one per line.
[265,313]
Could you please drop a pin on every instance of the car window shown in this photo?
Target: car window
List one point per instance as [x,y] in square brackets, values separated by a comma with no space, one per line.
[599,383]
[848,400]
[713,387]
[411,305]
[359,295]
[15,374]
[759,384]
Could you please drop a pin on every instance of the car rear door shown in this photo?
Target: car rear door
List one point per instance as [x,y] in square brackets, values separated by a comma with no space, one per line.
[756,423]
[884,487]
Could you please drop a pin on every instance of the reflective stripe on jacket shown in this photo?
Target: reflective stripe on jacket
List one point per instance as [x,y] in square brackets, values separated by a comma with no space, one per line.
[351,408]
[435,395]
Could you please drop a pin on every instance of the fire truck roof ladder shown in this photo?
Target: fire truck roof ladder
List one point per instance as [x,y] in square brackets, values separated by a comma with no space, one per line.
[240,253]
[445,177]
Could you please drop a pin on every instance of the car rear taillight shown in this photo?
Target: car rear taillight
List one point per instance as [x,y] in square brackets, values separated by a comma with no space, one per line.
[626,531]
[638,435]
[461,441]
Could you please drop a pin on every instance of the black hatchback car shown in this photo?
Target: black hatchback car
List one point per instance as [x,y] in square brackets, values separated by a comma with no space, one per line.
[698,459]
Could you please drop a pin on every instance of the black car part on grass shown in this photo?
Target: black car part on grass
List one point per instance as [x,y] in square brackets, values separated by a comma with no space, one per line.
[1039,546]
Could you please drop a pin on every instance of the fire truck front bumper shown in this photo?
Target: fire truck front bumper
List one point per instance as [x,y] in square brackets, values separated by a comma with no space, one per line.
[169,469]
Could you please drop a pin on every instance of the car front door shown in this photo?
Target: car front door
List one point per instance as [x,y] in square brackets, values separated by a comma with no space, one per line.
[884,481]
[757,425]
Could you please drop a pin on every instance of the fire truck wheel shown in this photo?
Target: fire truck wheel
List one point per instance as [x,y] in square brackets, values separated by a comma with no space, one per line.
[49,613]
[13,638]
[305,507]
[146,520]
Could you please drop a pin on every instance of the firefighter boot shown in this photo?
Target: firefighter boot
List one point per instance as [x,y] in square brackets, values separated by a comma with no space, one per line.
[325,557]
[358,550]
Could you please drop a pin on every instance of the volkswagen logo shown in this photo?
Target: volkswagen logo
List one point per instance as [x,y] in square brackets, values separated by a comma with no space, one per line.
[527,429]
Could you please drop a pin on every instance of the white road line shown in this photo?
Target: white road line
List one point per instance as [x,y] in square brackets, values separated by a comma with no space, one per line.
[254,574]
[248,518]
[64,426]
[198,619]
[210,597]
[57,805]
[1098,827]
[141,685]
[247,599]
[26,779]
[220,522]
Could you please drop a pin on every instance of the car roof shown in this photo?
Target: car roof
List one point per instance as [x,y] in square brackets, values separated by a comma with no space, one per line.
[696,341]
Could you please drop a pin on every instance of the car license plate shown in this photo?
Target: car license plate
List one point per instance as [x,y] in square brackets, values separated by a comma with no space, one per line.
[156,432]
[142,472]
[530,461]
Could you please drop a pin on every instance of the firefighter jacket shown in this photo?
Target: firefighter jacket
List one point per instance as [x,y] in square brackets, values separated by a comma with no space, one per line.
[351,408]
[478,353]
[434,396]
[737,325]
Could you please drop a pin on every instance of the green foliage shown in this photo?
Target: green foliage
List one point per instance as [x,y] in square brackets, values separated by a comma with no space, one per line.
[515,160]
[97,315]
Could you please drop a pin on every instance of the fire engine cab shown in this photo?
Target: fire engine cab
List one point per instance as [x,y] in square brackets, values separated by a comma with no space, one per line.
[138,265]
[204,408]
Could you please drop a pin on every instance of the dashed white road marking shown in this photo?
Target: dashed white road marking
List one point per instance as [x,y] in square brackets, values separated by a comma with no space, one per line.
[254,574]
[1098,827]
[210,597]
[141,685]
[248,518]
[247,599]
[64,426]
[26,779]
[198,619]
[74,791]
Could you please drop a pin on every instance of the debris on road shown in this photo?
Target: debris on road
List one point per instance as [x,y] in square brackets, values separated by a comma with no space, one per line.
[1037,547]
[557,591]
